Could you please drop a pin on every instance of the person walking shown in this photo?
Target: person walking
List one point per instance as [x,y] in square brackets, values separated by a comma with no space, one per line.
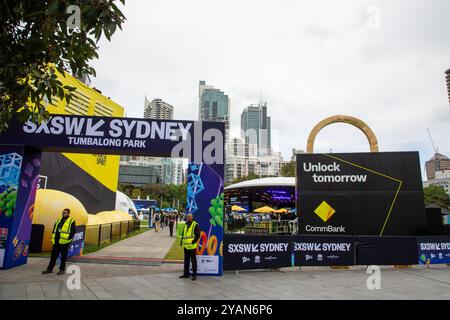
[191,234]
[62,235]
[171,223]
[157,222]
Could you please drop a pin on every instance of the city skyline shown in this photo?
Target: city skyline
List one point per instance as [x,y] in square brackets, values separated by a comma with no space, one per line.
[339,61]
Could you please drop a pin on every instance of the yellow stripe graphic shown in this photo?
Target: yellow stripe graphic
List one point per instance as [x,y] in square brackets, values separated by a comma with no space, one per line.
[400,183]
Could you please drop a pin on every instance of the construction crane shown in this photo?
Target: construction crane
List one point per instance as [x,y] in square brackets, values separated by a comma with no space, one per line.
[432,142]
[437,162]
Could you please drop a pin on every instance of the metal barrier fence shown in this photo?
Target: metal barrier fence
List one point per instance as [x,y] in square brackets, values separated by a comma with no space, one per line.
[106,233]
[241,226]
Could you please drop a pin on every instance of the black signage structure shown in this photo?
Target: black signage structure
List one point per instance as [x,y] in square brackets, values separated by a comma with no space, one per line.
[323,250]
[256,252]
[360,194]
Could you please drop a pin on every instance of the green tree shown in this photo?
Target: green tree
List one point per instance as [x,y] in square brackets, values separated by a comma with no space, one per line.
[436,195]
[136,193]
[289,169]
[250,176]
[36,43]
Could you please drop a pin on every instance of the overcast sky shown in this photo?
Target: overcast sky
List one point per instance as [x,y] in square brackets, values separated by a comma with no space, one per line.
[381,61]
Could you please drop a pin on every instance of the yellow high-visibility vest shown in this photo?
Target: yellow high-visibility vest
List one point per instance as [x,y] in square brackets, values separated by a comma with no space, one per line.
[188,236]
[65,231]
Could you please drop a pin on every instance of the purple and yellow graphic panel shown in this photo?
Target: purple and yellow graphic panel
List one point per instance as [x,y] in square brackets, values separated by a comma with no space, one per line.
[205,202]
[19,170]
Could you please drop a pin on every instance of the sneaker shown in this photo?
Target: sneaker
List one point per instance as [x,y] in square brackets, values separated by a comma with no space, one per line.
[183,276]
[194,278]
[60,272]
[46,272]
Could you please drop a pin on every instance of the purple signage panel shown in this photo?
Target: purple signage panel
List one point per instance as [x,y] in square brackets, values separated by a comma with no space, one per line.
[19,170]
[205,202]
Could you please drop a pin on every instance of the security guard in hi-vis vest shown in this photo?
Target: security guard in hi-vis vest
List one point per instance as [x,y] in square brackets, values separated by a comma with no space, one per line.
[190,236]
[63,232]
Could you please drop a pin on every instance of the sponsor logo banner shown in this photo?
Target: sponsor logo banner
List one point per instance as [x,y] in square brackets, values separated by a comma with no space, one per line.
[360,193]
[435,249]
[256,252]
[76,246]
[323,250]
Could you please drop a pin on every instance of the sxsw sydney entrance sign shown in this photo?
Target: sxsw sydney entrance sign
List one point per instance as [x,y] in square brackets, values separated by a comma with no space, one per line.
[202,143]
[198,141]
[360,193]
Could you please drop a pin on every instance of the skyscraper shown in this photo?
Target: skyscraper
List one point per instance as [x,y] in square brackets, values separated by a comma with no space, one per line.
[447,78]
[157,109]
[141,170]
[214,105]
[256,127]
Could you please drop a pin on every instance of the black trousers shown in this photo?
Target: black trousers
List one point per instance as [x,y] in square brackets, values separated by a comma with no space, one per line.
[190,256]
[171,228]
[57,249]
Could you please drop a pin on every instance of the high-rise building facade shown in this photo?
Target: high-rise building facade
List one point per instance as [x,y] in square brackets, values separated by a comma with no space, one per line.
[438,162]
[242,159]
[256,127]
[447,78]
[139,170]
[214,105]
[157,109]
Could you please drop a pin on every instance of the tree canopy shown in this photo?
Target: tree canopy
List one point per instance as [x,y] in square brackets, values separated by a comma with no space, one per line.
[39,37]
[436,195]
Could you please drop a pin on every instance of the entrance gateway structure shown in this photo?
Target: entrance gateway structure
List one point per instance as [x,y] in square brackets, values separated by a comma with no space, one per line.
[202,143]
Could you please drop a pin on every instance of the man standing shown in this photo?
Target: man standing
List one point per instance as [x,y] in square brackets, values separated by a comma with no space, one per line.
[63,232]
[171,223]
[191,234]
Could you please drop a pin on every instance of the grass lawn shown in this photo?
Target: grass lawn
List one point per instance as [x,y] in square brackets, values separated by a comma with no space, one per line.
[175,252]
[89,248]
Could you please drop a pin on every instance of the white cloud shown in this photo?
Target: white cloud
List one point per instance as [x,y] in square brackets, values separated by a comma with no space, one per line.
[312,59]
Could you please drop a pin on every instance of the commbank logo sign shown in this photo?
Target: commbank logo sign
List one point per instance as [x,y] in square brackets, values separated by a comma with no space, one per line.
[324,211]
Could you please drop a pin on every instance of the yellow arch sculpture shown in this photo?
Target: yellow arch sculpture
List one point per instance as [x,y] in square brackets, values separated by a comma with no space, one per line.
[361,125]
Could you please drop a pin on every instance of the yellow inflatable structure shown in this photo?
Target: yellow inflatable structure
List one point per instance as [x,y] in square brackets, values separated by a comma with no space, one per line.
[49,205]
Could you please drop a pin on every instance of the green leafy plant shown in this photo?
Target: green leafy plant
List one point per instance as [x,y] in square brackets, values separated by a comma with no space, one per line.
[216,211]
[8,202]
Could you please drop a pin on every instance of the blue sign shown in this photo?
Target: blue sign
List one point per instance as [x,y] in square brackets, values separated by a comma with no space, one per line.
[436,249]
[76,246]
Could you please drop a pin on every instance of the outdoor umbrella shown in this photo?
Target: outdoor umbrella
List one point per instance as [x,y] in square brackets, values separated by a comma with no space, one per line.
[281,210]
[265,209]
[237,208]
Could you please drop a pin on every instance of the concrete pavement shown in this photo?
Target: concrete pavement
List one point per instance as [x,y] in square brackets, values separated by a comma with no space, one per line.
[149,244]
[139,282]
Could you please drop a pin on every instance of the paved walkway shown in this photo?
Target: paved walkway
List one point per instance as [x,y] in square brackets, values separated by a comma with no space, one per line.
[139,282]
[149,244]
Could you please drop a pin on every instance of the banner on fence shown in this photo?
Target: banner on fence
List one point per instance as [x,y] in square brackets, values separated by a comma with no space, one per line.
[323,251]
[76,246]
[257,252]
[434,248]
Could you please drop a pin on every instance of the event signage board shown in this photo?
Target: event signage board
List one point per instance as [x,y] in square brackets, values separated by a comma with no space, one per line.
[256,252]
[206,205]
[323,250]
[77,244]
[201,142]
[360,193]
[19,179]
[436,249]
